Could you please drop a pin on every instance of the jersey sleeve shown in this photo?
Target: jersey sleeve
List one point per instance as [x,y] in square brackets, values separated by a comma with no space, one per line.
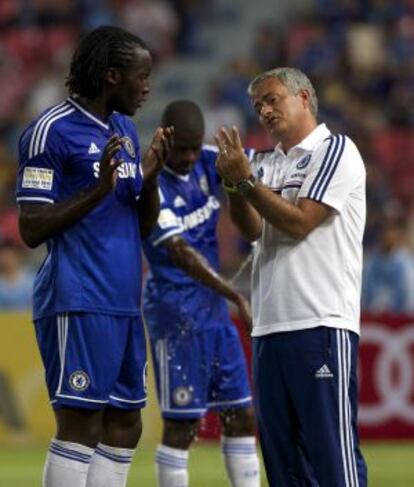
[41,162]
[336,169]
[133,148]
[168,224]
[209,155]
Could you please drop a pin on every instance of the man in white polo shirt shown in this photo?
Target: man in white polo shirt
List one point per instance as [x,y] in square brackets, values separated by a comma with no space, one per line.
[304,203]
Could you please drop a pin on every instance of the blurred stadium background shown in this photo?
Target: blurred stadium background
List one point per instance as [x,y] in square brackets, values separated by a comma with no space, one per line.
[360,55]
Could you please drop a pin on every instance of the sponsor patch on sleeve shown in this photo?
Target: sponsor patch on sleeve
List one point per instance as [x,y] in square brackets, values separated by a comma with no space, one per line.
[37,178]
[167,219]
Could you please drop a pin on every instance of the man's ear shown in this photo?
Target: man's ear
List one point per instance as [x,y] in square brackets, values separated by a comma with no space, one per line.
[305,95]
[113,76]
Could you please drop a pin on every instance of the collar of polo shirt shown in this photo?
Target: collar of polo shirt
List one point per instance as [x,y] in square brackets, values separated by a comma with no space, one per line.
[308,143]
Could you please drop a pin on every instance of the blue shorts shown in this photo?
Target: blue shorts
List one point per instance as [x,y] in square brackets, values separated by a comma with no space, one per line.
[93,360]
[202,371]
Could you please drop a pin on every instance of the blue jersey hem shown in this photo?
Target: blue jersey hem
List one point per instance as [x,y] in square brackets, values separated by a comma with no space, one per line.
[169,332]
[101,311]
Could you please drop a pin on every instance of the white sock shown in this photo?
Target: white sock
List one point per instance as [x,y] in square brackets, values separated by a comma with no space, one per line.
[109,466]
[66,464]
[171,467]
[241,461]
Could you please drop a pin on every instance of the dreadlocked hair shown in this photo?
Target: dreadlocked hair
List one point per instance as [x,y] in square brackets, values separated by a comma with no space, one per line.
[103,48]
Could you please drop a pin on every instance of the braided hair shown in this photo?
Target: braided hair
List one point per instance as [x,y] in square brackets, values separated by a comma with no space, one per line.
[103,48]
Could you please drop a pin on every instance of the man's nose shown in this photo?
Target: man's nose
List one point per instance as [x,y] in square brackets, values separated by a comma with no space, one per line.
[146,88]
[265,110]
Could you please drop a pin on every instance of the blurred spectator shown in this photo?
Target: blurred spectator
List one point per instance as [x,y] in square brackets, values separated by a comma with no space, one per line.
[97,12]
[155,22]
[48,90]
[393,149]
[9,13]
[8,211]
[401,43]
[388,284]
[219,114]
[266,49]
[16,283]
[192,14]
[378,202]
[13,86]
[50,13]
[366,47]
[232,87]
[319,55]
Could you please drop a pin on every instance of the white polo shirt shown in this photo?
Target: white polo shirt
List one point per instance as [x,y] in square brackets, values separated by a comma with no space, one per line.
[305,283]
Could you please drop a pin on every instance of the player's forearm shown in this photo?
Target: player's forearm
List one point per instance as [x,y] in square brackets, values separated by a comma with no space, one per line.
[39,222]
[279,212]
[148,208]
[245,217]
[196,266]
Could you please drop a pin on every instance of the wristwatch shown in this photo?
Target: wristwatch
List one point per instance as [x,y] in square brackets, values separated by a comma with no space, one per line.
[246,185]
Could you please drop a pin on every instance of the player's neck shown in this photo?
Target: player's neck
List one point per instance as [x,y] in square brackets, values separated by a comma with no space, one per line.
[179,174]
[96,106]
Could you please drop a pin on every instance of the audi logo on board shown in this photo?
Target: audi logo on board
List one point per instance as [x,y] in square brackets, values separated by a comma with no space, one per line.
[386,374]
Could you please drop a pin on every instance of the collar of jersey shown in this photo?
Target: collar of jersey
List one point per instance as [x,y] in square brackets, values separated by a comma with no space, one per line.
[310,142]
[87,114]
[184,177]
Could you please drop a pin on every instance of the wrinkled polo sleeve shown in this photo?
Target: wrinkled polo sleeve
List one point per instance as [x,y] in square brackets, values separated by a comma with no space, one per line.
[41,163]
[336,171]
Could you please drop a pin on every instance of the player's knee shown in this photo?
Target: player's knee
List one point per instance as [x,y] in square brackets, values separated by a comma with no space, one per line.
[179,434]
[122,428]
[136,428]
[238,422]
[81,426]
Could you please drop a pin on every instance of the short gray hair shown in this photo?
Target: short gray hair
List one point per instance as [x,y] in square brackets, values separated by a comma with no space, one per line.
[294,80]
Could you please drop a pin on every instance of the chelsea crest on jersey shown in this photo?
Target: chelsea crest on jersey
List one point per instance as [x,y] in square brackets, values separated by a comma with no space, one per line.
[60,153]
[314,281]
[173,301]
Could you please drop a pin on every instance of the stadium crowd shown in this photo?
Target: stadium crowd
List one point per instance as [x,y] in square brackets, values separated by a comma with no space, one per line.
[360,55]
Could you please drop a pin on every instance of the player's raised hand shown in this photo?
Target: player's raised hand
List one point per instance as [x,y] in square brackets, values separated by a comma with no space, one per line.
[232,163]
[244,312]
[156,156]
[108,164]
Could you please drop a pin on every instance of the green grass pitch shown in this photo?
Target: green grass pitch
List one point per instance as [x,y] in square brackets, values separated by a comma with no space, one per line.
[389,464]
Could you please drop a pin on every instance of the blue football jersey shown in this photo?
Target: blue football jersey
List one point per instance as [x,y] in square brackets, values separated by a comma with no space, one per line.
[174,302]
[95,265]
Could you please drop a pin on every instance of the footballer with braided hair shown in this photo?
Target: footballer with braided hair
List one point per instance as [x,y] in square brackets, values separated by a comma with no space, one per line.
[84,191]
